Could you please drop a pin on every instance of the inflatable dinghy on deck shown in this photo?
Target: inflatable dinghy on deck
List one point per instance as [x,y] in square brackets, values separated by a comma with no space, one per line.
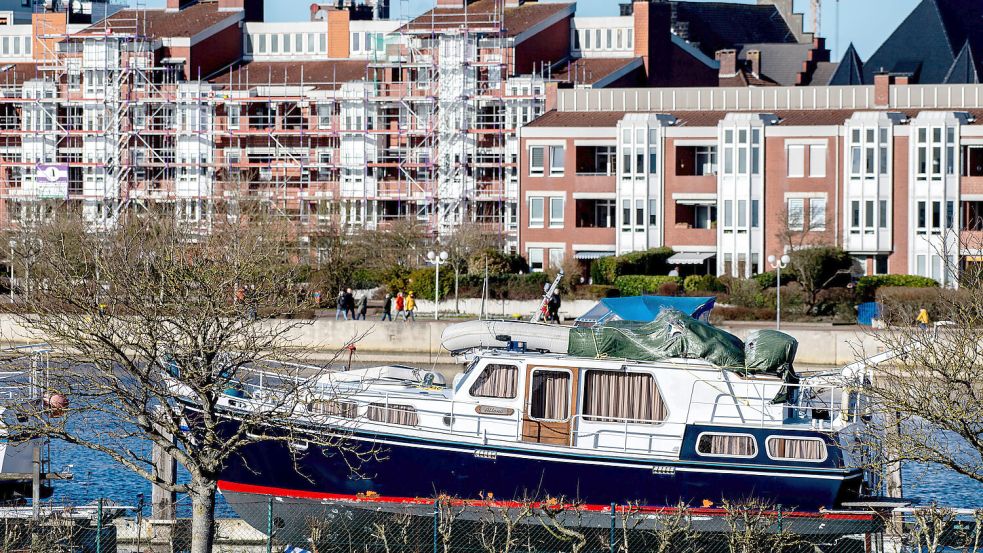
[462,337]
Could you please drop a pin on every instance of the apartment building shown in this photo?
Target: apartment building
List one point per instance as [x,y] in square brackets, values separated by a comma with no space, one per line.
[892,173]
[348,119]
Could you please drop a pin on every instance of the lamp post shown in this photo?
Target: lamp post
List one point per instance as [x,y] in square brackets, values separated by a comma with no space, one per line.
[778,263]
[437,259]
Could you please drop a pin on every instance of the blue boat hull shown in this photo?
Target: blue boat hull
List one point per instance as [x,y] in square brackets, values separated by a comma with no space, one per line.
[408,469]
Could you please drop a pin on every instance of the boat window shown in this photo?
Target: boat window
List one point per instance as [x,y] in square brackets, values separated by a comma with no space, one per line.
[616,396]
[393,414]
[796,449]
[496,381]
[549,397]
[334,408]
[726,445]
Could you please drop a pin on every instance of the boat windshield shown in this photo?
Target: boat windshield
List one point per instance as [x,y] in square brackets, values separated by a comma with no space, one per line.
[464,376]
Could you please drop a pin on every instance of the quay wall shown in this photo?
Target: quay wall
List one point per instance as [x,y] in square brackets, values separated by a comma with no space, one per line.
[324,337]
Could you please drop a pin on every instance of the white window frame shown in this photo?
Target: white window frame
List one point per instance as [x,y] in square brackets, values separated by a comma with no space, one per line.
[541,220]
[813,223]
[528,400]
[795,155]
[801,208]
[555,222]
[817,160]
[542,259]
[540,170]
[722,455]
[557,152]
[796,459]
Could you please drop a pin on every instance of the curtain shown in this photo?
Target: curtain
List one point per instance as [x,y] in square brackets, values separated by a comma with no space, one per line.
[614,396]
[496,381]
[334,408]
[795,448]
[550,395]
[394,414]
[727,444]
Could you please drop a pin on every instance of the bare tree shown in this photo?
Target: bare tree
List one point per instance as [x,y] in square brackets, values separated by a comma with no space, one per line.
[466,241]
[152,325]
[816,260]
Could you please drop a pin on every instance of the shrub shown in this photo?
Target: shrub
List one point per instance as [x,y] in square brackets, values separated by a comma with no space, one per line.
[702,283]
[769,279]
[737,313]
[650,262]
[900,305]
[421,282]
[743,292]
[637,285]
[867,286]
[499,263]
[603,291]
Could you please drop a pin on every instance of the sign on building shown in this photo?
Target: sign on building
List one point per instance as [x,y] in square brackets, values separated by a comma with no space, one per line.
[52,180]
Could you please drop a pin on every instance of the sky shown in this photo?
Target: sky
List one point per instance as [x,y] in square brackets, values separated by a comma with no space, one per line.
[865,23]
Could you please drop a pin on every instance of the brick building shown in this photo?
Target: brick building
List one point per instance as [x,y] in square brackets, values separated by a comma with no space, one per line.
[726,177]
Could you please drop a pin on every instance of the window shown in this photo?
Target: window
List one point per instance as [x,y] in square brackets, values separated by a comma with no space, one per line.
[549,395]
[922,220]
[741,214]
[556,258]
[233,110]
[587,35]
[880,264]
[653,210]
[950,215]
[639,213]
[536,260]
[796,449]
[920,265]
[796,161]
[616,396]
[595,213]
[726,445]
[728,214]
[536,205]
[869,221]
[355,39]
[334,408]
[883,165]
[795,215]
[755,221]
[626,214]
[392,413]
[496,381]
[936,216]
[556,161]
[610,42]
[274,44]
[817,214]
[556,212]
[537,160]
[817,160]
[882,219]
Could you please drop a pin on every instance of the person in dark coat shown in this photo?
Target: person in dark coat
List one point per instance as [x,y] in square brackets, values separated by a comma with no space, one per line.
[387,307]
[363,306]
[553,308]
[349,302]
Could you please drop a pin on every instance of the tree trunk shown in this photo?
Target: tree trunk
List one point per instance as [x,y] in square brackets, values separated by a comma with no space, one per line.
[202,515]
[457,279]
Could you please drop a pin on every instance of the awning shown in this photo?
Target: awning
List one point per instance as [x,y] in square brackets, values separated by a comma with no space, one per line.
[689,258]
[592,255]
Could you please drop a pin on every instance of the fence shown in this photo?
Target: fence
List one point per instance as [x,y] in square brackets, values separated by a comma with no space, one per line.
[447,525]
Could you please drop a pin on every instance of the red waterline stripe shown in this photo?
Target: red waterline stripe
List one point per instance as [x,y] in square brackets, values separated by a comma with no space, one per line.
[235,487]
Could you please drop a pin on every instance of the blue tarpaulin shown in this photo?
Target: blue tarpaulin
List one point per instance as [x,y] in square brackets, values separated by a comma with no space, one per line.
[644,309]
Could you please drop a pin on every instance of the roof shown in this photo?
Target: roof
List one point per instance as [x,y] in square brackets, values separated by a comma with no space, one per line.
[578,119]
[850,70]
[323,74]
[589,71]
[780,63]
[482,14]
[746,78]
[824,73]
[713,26]
[163,23]
[929,40]
[963,70]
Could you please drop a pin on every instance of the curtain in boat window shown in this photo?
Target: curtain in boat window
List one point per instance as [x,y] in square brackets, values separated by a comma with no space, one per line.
[550,395]
[496,381]
[392,414]
[796,448]
[733,445]
[615,396]
[334,408]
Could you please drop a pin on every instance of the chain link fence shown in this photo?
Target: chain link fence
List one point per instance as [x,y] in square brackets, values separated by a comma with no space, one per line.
[274,524]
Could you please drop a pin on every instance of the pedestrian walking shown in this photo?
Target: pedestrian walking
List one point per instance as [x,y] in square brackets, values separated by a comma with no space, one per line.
[363,306]
[410,307]
[340,306]
[387,307]
[553,308]
[349,304]
[400,305]
[923,319]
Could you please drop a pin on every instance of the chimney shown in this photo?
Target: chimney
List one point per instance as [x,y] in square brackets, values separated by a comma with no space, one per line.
[728,62]
[754,61]
[653,39]
[882,90]
[338,33]
[902,79]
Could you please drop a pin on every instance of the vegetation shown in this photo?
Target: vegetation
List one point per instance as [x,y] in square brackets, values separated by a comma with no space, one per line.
[650,262]
[816,268]
[695,284]
[637,285]
[867,286]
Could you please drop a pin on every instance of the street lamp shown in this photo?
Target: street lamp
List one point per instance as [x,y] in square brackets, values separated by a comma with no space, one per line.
[778,263]
[437,259]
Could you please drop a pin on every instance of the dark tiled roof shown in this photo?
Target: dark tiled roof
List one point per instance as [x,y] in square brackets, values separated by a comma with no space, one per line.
[163,23]
[324,74]
[963,70]
[824,73]
[590,70]
[780,63]
[578,119]
[929,40]
[850,71]
[482,14]
[721,25]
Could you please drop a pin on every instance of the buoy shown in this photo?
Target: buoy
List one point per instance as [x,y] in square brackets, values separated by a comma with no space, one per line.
[57,403]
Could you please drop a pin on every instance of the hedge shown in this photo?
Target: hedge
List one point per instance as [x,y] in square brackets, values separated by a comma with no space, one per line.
[637,285]
[703,283]
[867,286]
[650,262]
[421,282]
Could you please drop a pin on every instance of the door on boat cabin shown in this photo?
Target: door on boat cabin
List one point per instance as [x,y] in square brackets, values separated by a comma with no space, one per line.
[550,404]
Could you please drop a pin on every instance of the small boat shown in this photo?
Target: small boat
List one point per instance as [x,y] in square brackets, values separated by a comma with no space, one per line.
[599,430]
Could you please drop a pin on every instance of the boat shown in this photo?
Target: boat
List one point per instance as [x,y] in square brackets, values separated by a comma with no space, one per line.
[598,430]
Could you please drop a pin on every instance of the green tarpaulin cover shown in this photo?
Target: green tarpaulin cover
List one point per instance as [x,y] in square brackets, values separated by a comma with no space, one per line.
[671,334]
[768,351]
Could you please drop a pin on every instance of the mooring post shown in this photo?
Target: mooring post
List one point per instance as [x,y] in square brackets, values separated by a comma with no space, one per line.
[436,522]
[99,527]
[614,512]
[36,480]
[779,518]
[269,525]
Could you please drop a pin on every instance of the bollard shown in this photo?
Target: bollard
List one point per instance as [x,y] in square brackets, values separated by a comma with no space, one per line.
[436,522]
[613,523]
[269,526]
[779,518]
[99,527]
